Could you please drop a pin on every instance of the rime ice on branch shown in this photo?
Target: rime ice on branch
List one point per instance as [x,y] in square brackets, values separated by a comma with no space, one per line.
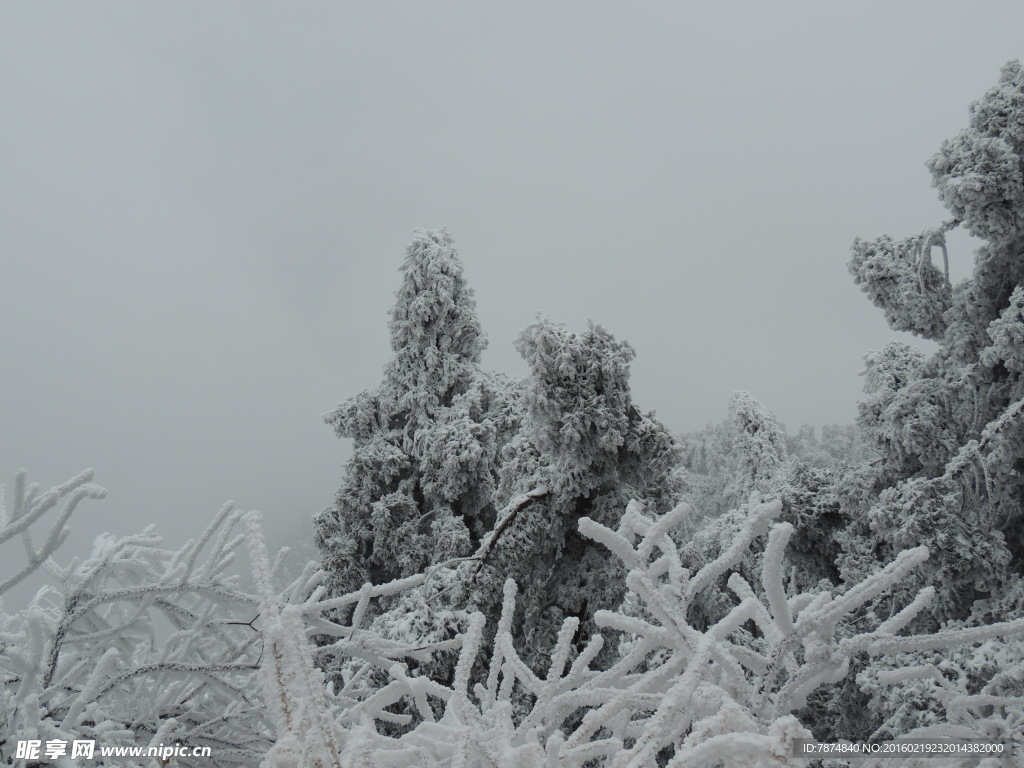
[721,696]
[135,645]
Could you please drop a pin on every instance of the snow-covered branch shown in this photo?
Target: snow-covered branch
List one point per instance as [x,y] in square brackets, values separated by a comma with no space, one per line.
[137,645]
[133,644]
[30,506]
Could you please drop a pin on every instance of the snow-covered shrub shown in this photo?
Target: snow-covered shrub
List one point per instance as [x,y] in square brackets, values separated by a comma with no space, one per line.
[133,646]
[974,691]
[137,646]
[724,695]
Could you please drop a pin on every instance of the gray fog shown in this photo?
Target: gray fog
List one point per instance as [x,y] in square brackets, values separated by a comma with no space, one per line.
[203,207]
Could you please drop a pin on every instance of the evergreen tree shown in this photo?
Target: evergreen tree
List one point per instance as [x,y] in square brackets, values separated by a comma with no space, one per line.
[744,457]
[760,445]
[590,451]
[418,486]
[747,452]
[441,446]
[949,429]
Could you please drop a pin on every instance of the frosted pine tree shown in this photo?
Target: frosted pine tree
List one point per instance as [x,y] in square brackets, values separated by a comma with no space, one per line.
[584,450]
[749,456]
[949,429]
[726,462]
[417,489]
[760,445]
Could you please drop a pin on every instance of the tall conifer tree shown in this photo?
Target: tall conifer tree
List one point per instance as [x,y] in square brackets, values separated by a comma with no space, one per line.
[949,428]
[417,489]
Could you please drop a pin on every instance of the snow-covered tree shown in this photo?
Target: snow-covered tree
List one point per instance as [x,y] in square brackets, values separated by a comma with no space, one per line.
[949,428]
[590,449]
[708,468]
[724,463]
[760,444]
[441,445]
[900,277]
[417,488]
[839,445]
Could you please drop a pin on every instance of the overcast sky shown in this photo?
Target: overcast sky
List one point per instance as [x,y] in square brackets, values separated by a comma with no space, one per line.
[203,207]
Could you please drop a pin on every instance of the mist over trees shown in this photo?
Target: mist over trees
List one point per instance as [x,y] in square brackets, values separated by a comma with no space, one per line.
[535,572]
